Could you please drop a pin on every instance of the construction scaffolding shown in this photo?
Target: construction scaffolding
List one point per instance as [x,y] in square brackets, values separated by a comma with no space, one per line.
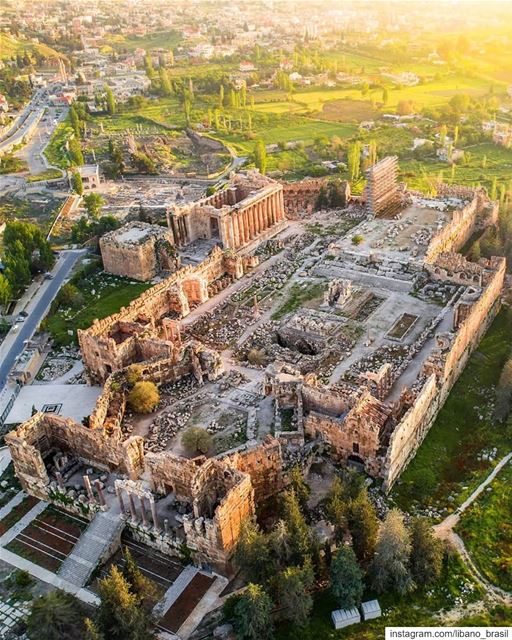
[382,193]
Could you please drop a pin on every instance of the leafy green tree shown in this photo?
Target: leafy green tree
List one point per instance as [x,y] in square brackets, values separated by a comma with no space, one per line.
[252,553]
[363,526]
[143,163]
[260,156]
[75,121]
[337,508]
[139,584]
[144,397]
[165,83]
[93,203]
[221,96]
[91,631]
[390,568]
[354,160]
[279,544]
[77,183]
[55,616]
[196,440]
[75,152]
[120,616]
[253,615]
[5,290]
[294,588]
[346,578]
[385,96]
[300,536]
[302,491]
[427,553]
[110,100]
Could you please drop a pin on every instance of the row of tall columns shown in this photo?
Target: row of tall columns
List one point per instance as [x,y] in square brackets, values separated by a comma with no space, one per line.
[248,223]
[141,499]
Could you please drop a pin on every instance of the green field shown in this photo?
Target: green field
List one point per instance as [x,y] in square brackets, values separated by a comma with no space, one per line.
[449,459]
[156,40]
[110,294]
[486,528]
[11,46]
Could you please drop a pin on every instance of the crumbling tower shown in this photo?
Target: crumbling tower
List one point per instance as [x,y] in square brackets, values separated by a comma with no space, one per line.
[382,195]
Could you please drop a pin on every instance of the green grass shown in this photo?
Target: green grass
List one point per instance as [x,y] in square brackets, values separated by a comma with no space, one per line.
[156,40]
[486,528]
[49,174]
[55,152]
[297,296]
[11,46]
[417,609]
[448,460]
[111,293]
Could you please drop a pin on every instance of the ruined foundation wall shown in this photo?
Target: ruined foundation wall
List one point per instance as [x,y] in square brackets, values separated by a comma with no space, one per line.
[410,432]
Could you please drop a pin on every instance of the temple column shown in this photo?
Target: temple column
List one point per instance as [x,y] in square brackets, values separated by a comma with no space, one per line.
[88,488]
[250,215]
[245,232]
[101,495]
[271,211]
[119,495]
[143,512]
[263,226]
[153,513]
[257,219]
[133,511]
[60,480]
[236,237]
[281,205]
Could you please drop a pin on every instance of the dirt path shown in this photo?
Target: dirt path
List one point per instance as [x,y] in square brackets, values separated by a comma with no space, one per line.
[445,531]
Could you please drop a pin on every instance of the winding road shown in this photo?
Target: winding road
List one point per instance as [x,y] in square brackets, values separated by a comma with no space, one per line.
[445,531]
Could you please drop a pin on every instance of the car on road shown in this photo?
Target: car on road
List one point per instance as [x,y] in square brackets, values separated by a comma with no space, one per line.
[15,328]
[48,276]
[20,318]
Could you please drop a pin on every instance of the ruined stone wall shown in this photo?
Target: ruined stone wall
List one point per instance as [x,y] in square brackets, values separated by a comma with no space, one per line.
[410,432]
[447,363]
[171,473]
[354,436]
[453,236]
[264,464]
[132,261]
[471,331]
[301,197]
[325,400]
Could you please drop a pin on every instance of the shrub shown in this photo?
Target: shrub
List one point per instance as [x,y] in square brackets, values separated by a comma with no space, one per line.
[196,439]
[134,374]
[144,397]
[357,239]
[256,357]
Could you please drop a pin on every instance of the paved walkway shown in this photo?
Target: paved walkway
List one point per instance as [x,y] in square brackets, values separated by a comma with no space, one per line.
[445,531]
[5,458]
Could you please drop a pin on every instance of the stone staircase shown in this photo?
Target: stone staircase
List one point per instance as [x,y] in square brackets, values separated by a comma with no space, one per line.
[91,547]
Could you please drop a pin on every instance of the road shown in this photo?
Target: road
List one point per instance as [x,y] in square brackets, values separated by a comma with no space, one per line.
[37,309]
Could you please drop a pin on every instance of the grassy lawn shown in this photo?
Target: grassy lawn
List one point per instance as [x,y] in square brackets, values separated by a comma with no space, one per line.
[449,461]
[418,609]
[49,174]
[164,111]
[104,295]
[486,528]
[56,152]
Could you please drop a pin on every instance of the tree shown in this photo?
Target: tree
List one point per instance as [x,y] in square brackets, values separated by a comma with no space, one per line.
[77,183]
[427,553]
[55,616]
[165,83]
[294,586]
[260,156]
[300,538]
[337,507]
[357,239]
[354,160]
[110,100]
[279,543]
[143,163]
[120,616]
[385,96]
[346,578]
[141,586]
[144,397]
[93,203]
[363,525]
[75,153]
[390,567]
[75,121]
[91,631]
[252,553]
[5,290]
[302,491]
[196,439]
[221,96]
[253,619]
